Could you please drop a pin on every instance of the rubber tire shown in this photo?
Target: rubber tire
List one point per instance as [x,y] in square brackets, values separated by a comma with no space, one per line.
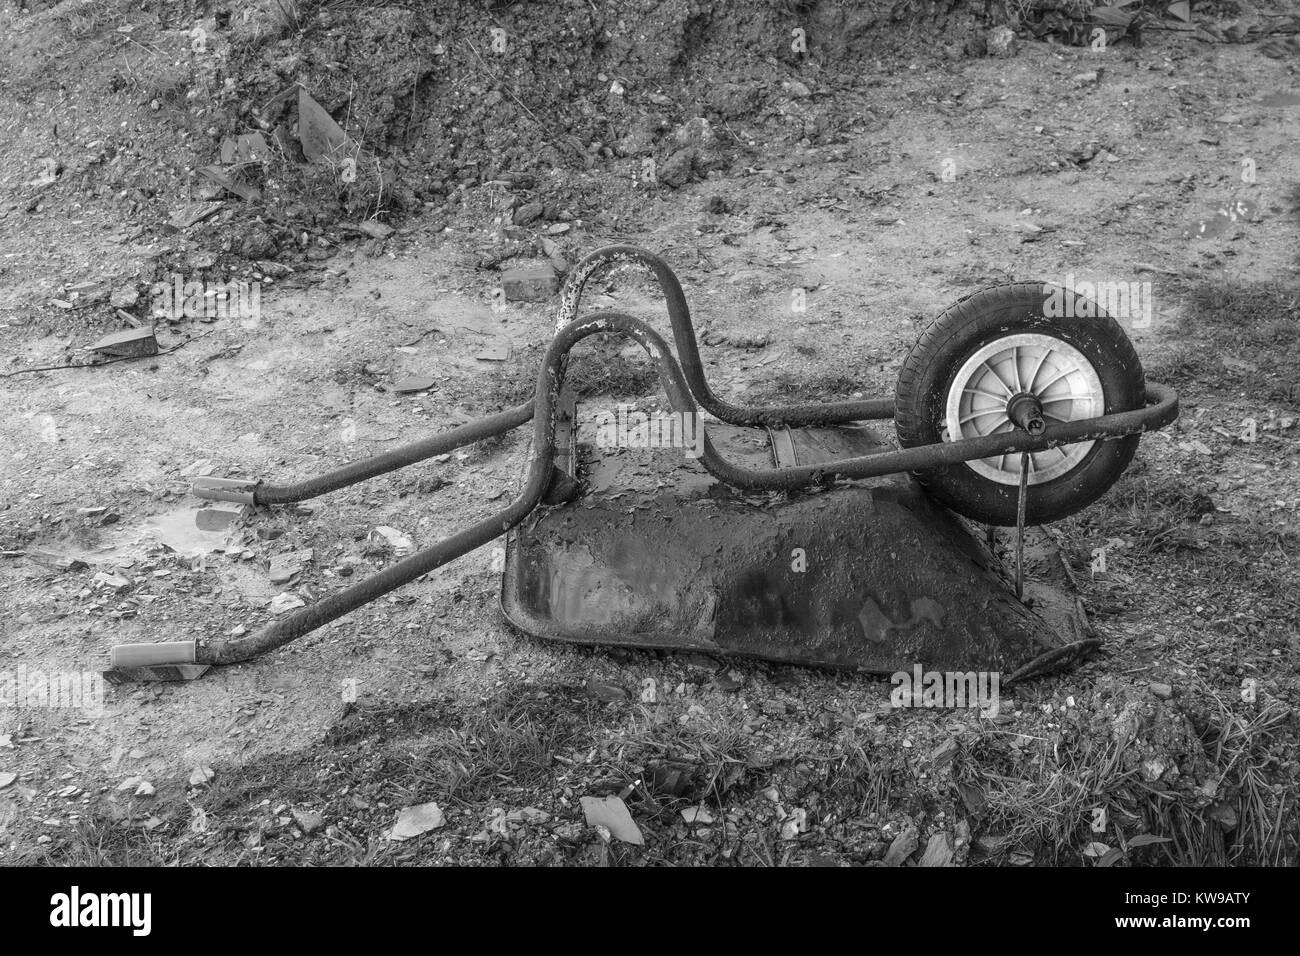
[961,330]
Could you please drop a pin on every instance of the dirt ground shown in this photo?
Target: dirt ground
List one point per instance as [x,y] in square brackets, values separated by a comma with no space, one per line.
[886,173]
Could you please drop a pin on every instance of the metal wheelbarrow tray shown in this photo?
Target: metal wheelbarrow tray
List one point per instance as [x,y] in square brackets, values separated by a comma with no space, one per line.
[865,575]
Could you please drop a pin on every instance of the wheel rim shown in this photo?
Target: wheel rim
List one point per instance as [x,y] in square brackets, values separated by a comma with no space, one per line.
[1054,372]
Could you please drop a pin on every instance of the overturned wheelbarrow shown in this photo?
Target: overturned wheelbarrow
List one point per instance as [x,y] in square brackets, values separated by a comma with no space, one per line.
[664,532]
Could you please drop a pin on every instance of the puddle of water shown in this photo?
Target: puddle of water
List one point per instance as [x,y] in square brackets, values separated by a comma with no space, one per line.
[179,530]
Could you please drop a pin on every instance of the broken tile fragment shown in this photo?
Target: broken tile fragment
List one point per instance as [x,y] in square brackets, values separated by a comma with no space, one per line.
[127,342]
[285,566]
[414,383]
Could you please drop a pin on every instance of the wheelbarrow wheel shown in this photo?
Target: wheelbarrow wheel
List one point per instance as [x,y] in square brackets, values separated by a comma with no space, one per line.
[1000,342]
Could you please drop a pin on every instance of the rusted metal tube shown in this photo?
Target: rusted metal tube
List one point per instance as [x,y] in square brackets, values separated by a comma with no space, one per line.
[688,352]
[264,494]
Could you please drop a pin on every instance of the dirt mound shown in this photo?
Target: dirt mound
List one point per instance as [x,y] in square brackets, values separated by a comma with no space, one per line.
[581,109]
[443,96]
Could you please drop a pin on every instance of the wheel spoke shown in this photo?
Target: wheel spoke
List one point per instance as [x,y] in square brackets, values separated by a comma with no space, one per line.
[979,391]
[988,411]
[1059,375]
[997,378]
[1015,366]
[1066,398]
[1037,368]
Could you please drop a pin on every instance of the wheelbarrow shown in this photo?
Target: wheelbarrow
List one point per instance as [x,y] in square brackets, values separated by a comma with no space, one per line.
[793,533]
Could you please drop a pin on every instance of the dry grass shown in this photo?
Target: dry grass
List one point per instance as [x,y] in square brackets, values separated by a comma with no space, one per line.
[1241,337]
[1041,795]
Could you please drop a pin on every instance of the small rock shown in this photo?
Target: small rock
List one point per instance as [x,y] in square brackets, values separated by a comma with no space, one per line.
[530,283]
[795,824]
[553,252]
[676,170]
[531,815]
[399,542]
[527,213]
[201,776]
[275,270]
[257,243]
[697,815]
[1085,79]
[731,680]
[1163,691]
[144,789]
[1002,42]
[285,566]
[903,846]
[286,602]
[309,821]
[124,298]
[376,229]
[1223,814]
[1153,768]
[413,821]
[938,852]
[606,692]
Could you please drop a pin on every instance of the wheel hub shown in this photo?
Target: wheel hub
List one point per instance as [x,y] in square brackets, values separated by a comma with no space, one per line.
[1029,381]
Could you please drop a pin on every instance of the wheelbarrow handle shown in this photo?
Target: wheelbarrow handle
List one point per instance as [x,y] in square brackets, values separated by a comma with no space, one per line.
[248,491]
